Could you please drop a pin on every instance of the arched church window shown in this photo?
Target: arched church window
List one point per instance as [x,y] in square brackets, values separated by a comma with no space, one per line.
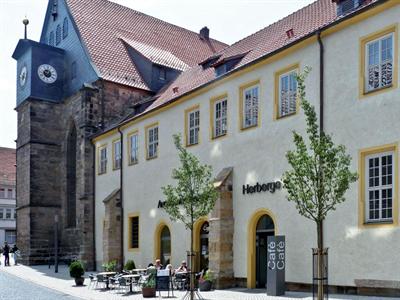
[51,38]
[65,28]
[58,34]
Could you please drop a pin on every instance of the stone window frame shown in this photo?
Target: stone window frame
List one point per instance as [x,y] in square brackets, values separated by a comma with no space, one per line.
[363,155]
[116,159]
[287,71]
[58,34]
[131,216]
[65,28]
[188,129]
[254,84]
[99,162]
[364,41]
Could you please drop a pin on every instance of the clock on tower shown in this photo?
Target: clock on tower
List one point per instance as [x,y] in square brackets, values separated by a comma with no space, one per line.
[40,71]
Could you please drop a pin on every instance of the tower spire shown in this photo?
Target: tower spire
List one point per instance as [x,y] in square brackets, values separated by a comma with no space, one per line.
[25,22]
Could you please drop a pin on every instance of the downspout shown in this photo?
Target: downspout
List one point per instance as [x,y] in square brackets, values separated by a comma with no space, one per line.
[321,82]
[121,196]
[94,206]
[321,103]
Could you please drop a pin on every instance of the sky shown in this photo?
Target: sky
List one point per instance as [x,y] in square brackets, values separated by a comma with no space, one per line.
[228,21]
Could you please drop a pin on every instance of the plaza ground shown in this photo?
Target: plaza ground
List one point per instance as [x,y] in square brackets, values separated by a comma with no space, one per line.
[41,283]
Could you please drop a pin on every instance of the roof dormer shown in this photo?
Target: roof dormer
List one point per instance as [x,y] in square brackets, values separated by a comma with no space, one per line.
[347,6]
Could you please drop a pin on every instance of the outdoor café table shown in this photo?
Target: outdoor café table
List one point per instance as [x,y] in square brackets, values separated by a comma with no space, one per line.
[131,276]
[107,274]
[139,271]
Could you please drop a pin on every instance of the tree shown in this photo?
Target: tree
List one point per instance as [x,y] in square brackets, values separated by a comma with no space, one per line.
[194,195]
[319,175]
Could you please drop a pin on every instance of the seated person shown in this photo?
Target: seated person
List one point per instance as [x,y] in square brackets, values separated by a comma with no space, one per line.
[158,264]
[183,268]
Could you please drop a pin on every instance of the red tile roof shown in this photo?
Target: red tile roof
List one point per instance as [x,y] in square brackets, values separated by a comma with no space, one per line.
[103,24]
[266,41]
[7,166]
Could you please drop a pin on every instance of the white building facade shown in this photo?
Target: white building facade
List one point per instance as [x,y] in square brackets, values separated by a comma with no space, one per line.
[243,121]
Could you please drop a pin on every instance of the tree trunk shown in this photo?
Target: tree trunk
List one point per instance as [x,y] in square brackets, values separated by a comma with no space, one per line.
[320,260]
[191,265]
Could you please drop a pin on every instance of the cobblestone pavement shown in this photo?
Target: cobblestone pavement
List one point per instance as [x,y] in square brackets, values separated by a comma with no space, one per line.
[61,282]
[15,288]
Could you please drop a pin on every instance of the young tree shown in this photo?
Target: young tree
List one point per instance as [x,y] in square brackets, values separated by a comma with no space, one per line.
[194,195]
[319,175]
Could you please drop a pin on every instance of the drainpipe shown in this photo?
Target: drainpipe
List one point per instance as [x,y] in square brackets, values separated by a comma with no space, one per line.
[321,102]
[94,205]
[321,82]
[121,197]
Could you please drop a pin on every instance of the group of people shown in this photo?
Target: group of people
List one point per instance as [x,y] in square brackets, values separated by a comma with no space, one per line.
[182,268]
[6,250]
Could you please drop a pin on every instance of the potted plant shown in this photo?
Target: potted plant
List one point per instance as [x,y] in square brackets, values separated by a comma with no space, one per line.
[130,265]
[149,286]
[205,281]
[76,271]
[111,266]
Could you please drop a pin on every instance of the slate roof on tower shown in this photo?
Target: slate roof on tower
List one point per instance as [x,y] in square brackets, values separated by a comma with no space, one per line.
[104,26]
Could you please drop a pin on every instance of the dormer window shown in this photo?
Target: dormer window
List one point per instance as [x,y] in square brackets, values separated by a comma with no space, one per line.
[347,6]
[162,74]
[226,64]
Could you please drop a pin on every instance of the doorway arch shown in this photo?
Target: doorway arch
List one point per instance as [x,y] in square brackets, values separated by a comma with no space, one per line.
[201,242]
[251,240]
[162,242]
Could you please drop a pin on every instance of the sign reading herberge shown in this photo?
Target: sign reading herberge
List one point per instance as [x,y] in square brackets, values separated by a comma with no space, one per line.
[276,263]
[261,187]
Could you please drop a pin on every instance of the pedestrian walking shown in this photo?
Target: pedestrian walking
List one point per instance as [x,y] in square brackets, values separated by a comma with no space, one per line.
[6,253]
[15,252]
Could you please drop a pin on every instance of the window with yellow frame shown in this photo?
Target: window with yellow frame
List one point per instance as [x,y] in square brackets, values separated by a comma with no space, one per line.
[116,154]
[102,159]
[249,105]
[133,231]
[378,61]
[133,147]
[219,116]
[192,125]
[286,92]
[152,141]
[379,185]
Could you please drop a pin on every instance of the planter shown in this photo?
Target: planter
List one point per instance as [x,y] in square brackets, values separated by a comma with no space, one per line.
[79,281]
[205,286]
[148,292]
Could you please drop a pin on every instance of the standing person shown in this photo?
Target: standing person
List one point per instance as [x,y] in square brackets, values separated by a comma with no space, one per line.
[6,253]
[15,252]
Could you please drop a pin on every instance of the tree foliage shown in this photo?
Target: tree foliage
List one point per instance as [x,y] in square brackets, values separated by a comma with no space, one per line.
[320,174]
[194,195]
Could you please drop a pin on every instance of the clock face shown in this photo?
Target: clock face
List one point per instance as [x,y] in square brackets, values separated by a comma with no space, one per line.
[23,74]
[47,73]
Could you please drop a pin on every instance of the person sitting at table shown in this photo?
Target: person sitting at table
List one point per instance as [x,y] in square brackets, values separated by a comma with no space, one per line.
[158,264]
[171,270]
[183,268]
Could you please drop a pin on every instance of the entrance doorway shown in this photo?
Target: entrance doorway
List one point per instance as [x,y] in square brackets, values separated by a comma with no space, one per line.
[204,230]
[265,227]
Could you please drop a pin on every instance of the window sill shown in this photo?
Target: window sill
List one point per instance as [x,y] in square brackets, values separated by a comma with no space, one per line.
[191,145]
[134,249]
[219,136]
[378,222]
[102,173]
[285,116]
[150,158]
[377,91]
[249,127]
[133,163]
[116,169]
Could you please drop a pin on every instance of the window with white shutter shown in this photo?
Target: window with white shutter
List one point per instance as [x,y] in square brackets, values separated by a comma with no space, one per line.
[117,155]
[102,160]
[133,148]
